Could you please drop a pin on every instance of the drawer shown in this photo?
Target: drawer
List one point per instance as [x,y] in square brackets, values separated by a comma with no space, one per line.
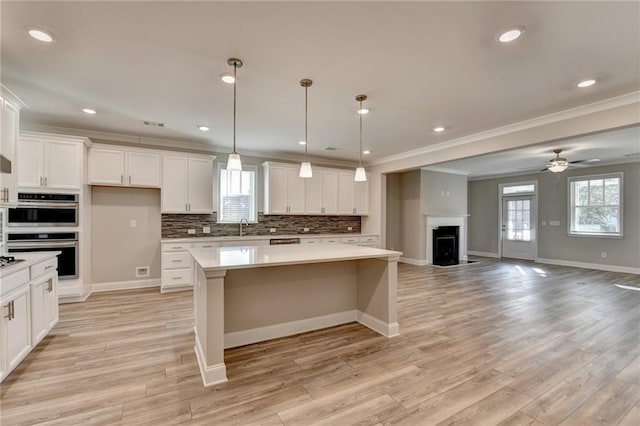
[368,239]
[44,267]
[331,240]
[13,281]
[210,244]
[309,241]
[175,260]
[175,246]
[177,277]
[351,240]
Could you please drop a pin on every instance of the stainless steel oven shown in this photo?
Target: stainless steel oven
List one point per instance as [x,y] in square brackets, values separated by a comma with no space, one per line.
[65,242]
[44,210]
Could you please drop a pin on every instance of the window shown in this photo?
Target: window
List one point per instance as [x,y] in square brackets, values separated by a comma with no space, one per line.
[519,220]
[595,205]
[237,191]
[518,189]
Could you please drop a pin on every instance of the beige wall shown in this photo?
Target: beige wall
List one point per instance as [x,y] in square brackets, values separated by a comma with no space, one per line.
[117,249]
[393,207]
[553,241]
[443,193]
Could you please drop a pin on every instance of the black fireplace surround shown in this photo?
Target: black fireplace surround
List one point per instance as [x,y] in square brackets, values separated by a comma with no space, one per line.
[445,245]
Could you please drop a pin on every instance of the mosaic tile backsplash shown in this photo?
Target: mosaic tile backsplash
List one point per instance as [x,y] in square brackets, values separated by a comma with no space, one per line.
[176,225]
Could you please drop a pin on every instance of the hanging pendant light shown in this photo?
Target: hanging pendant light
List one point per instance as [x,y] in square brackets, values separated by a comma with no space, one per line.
[233,162]
[305,167]
[361,174]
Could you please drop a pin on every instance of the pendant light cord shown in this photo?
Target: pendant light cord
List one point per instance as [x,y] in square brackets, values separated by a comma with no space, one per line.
[360,153]
[235,85]
[306,118]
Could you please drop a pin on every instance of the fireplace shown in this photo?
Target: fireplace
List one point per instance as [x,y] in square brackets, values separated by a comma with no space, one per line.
[445,245]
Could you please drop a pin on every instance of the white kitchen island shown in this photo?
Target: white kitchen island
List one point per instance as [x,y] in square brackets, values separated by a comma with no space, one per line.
[244,295]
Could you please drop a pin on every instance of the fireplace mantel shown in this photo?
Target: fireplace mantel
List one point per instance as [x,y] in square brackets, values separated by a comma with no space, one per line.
[436,220]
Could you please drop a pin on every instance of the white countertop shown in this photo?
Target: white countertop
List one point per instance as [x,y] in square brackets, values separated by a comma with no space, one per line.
[30,258]
[261,237]
[220,258]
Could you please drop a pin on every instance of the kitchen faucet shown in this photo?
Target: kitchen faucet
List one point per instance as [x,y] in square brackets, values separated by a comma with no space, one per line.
[246,222]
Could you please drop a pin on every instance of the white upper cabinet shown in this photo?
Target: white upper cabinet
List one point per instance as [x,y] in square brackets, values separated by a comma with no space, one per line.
[329,192]
[345,193]
[361,196]
[187,184]
[9,125]
[123,167]
[50,163]
[284,190]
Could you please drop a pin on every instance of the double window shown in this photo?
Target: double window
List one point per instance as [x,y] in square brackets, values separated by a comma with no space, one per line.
[595,205]
[237,195]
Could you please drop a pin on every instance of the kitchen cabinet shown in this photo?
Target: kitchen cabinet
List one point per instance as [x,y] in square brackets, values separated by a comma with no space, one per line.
[345,193]
[121,167]
[177,265]
[329,192]
[9,125]
[48,163]
[44,306]
[284,190]
[16,328]
[187,184]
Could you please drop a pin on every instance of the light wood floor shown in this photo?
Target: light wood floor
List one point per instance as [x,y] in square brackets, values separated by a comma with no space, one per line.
[490,343]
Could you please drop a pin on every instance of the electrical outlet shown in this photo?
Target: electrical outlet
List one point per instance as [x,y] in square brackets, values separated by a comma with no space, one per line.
[133,223]
[142,271]
[554,222]
[191,231]
[206,229]
[272,230]
[603,254]
[306,229]
[349,228]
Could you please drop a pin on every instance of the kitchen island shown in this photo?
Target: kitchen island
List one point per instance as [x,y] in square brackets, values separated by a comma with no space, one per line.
[244,295]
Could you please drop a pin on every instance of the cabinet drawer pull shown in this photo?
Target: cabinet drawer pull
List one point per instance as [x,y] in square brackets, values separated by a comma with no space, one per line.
[129,179]
[206,246]
[176,278]
[46,183]
[48,267]
[41,181]
[121,178]
[8,306]
[176,247]
[176,260]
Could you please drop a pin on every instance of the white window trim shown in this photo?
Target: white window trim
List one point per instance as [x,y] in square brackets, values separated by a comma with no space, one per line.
[223,166]
[570,205]
[529,182]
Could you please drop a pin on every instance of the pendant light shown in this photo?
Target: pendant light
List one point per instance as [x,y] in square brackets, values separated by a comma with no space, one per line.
[233,162]
[361,174]
[305,167]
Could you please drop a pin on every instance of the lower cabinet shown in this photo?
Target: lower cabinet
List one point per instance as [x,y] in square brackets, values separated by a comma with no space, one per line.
[44,306]
[29,302]
[177,265]
[15,330]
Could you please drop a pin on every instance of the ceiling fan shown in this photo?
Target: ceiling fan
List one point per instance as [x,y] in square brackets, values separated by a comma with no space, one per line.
[559,164]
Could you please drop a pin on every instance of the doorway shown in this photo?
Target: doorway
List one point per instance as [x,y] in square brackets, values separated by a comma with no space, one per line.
[518,239]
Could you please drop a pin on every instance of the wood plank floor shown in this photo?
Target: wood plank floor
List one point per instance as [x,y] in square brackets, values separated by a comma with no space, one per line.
[508,343]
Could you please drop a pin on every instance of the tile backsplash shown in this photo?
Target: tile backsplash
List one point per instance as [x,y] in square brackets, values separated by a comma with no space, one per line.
[177,225]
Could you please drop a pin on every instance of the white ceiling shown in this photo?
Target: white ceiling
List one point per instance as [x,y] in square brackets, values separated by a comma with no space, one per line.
[421,63]
[609,147]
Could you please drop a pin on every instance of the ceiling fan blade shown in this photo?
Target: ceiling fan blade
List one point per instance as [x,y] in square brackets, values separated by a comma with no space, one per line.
[590,160]
[546,169]
[579,164]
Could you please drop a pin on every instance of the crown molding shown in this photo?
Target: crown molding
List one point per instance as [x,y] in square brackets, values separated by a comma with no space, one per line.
[12,97]
[606,104]
[446,170]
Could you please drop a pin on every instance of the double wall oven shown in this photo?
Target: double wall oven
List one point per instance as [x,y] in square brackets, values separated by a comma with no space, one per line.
[29,228]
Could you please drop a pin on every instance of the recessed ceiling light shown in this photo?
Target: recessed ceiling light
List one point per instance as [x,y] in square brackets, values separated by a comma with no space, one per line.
[438,129]
[203,128]
[41,35]
[511,34]
[366,152]
[586,83]
[89,111]
[302,143]
[363,111]
[227,78]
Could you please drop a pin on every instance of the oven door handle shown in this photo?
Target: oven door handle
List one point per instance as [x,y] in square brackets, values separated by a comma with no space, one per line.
[24,205]
[41,244]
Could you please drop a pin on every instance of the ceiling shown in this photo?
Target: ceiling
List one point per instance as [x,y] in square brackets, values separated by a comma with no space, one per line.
[611,147]
[422,64]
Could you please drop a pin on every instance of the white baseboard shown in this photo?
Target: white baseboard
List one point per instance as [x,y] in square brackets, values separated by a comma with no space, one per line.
[211,375]
[72,298]
[125,285]
[173,289]
[386,329]
[416,262]
[483,254]
[253,335]
[597,266]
